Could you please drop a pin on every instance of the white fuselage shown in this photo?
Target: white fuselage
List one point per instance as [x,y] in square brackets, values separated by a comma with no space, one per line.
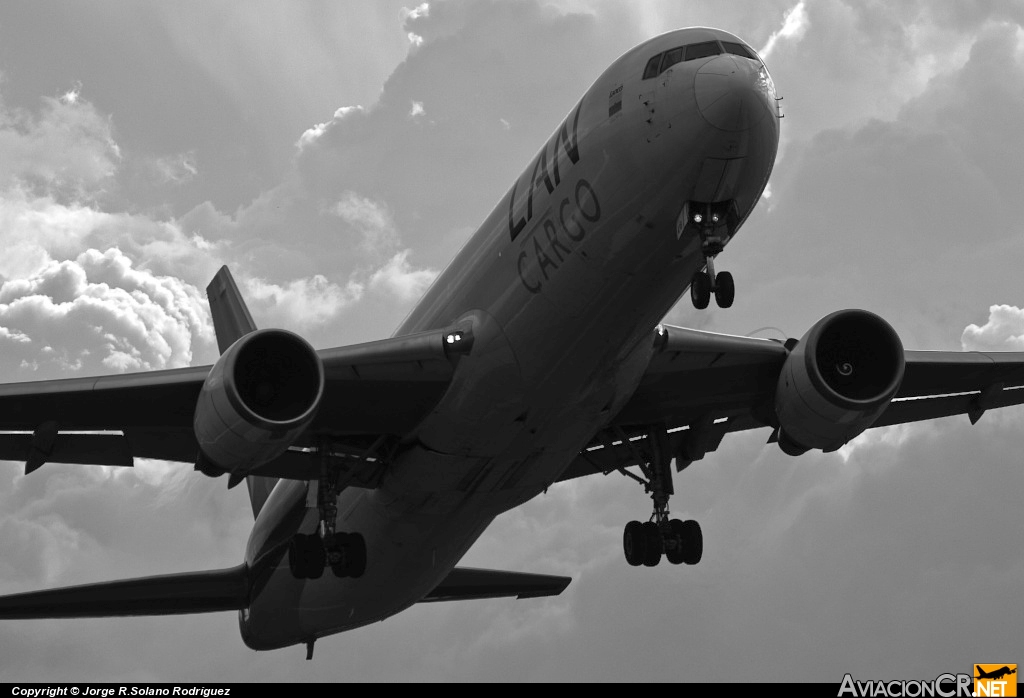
[562,285]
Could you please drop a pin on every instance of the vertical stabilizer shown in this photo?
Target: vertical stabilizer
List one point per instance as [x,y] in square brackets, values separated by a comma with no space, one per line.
[231,322]
[231,319]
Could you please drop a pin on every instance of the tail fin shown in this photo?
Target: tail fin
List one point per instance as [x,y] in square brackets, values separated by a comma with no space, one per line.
[232,321]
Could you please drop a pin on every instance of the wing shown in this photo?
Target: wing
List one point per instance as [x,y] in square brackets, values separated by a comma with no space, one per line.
[376,389]
[946,383]
[373,395]
[702,386]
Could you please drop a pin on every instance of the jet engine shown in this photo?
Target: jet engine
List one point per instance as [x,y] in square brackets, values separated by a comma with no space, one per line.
[837,381]
[258,398]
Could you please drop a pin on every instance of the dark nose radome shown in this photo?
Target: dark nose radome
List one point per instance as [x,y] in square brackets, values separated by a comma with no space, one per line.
[733,93]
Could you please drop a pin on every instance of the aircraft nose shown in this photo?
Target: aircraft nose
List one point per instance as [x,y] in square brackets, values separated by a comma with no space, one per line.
[734,93]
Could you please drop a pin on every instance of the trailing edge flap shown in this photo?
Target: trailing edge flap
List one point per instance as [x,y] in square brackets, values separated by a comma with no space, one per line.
[169,594]
[464,583]
[231,319]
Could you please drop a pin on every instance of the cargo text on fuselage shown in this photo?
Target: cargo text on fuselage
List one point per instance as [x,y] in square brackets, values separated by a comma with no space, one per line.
[554,238]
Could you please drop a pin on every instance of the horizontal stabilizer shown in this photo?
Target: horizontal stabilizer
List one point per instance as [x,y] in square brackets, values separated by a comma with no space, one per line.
[169,594]
[464,583]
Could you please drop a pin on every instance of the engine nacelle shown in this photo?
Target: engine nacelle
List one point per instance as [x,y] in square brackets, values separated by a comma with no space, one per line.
[837,381]
[260,395]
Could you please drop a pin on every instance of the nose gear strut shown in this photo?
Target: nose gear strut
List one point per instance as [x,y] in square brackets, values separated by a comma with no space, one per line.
[714,230]
[645,542]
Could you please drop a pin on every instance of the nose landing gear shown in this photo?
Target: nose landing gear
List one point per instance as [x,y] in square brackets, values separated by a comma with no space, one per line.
[644,543]
[713,226]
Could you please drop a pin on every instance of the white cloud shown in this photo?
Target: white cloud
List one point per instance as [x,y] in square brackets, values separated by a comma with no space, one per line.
[1004,331]
[176,169]
[302,303]
[37,229]
[68,148]
[7,334]
[101,314]
[310,135]
[794,26]
[72,95]
[417,109]
[421,10]
[398,278]
[371,218]
[892,436]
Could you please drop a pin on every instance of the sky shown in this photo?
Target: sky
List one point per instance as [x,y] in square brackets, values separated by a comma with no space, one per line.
[337,155]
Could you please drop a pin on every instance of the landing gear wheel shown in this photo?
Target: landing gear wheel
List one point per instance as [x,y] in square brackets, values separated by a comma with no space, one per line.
[674,548]
[350,549]
[296,560]
[700,290]
[334,549]
[634,543]
[644,543]
[356,555]
[725,289]
[315,557]
[693,542]
[306,556]
[653,543]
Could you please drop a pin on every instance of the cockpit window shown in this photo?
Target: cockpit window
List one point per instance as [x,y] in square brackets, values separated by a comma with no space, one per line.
[663,61]
[702,50]
[651,71]
[738,50]
[671,58]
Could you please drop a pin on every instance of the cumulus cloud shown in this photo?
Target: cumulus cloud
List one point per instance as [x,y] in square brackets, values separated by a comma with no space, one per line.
[310,135]
[36,229]
[302,303]
[99,313]
[421,10]
[371,218]
[400,279]
[1004,331]
[68,147]
[411,15]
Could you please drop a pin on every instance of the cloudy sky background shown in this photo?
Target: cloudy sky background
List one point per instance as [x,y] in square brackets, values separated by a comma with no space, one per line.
[337,155]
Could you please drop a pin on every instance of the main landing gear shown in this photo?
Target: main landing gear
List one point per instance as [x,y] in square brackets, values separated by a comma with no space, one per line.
[344,553]
[710,224]
[644,543]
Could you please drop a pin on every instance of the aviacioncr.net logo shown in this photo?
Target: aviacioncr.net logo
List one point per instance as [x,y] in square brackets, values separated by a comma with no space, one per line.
[945,686]
[995,680]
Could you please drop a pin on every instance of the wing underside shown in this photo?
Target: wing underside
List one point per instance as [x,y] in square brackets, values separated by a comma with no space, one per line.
[373,390]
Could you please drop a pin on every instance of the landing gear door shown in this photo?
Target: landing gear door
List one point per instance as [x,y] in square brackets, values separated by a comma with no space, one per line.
[717,179]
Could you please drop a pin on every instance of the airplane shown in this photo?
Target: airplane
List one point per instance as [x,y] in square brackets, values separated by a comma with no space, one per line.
[536,357]
[995,674]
